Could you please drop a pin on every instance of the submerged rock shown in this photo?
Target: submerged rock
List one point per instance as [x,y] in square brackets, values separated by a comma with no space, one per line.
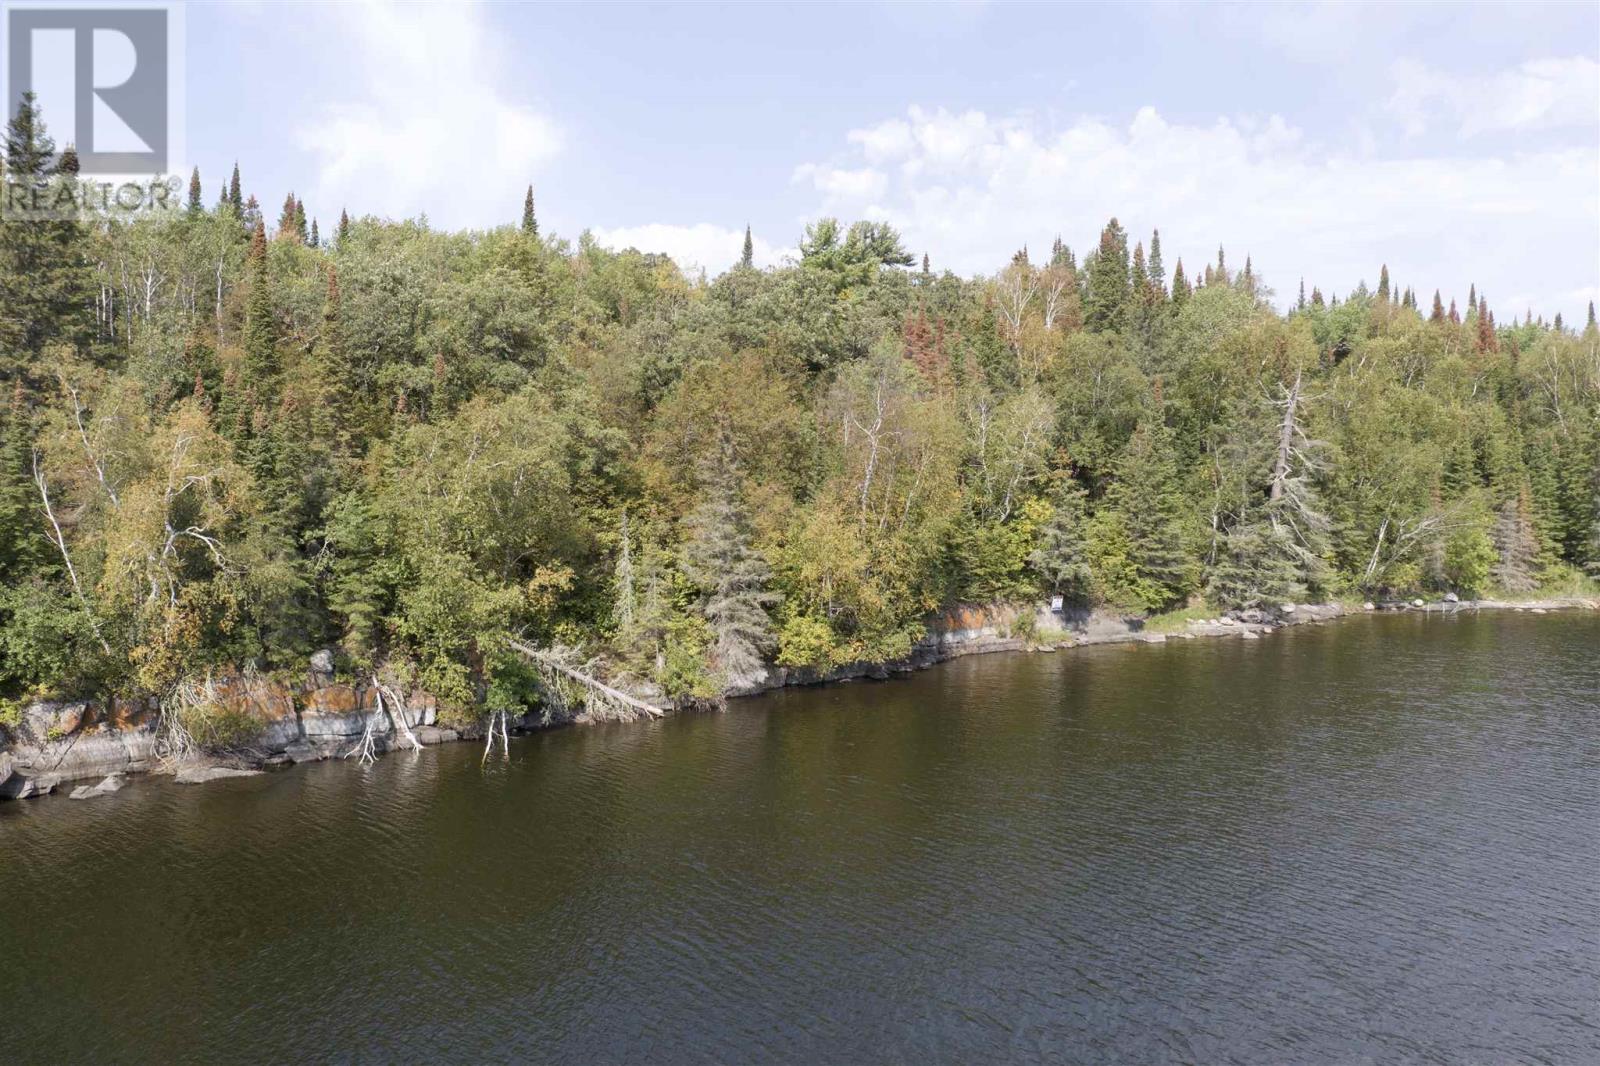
[199,775]
[107,786]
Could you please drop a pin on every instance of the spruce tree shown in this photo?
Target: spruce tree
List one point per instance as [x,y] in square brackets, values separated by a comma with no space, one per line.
[731,576]
[1383,284]
[1148,495]
[21,541]
[530,223]
[316,240]
[196,204]
[344,226]
[1591,323]
[747,257]
[260,331]
[1180,286]
[45,285]
[1158,274]
[1061,557]
[300,232]
[1108,280]
[1255,567]
[1516,543]
[235,192]
[1437,315]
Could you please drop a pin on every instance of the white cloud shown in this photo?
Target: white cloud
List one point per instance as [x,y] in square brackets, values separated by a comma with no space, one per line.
[703,246]
[431,129]
[1539,94]
[861,184]
[972,188]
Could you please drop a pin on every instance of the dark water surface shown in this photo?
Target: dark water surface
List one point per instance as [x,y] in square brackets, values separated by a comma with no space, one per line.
[1377,841]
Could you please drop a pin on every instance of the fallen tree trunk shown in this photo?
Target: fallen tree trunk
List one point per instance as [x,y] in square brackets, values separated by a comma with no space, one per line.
[605,692]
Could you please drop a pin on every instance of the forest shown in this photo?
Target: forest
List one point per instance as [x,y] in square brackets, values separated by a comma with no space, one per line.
[230,439]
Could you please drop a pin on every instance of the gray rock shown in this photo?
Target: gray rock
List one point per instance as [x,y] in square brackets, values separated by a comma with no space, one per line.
[1418,603]
[6,771]
[1249,634]
[432,734]
[23,787]
[1288,608]
[1451,597]
[322,662]
[104,788]
[1369,606]
[1252,616]
[199,775]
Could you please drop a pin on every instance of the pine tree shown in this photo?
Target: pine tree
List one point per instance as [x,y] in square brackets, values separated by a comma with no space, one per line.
[235,192]
[1108,280]
[530,224]
[1221,275]
[344,226]
[1300,304]
[1061,558]
[196,204]
[927,273]
[1247,280]
[1437,315]
[732,577]
[316,240]
[286,223]
[747,257]
[1148,495]
[1383,284]
[1591,323]
[1180,286]
[300,231]
[1454,316]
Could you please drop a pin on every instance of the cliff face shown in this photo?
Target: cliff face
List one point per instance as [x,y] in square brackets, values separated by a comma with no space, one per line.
[315,719]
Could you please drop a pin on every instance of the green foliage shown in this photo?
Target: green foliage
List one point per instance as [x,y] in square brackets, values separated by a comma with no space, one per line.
[413,444]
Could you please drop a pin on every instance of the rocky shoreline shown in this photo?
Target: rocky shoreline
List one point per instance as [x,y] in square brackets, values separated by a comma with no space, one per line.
[55,744]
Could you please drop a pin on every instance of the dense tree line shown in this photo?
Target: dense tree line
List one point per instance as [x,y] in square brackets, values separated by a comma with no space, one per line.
[230,441]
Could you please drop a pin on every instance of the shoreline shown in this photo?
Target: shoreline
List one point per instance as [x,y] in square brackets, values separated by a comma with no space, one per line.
[60,744]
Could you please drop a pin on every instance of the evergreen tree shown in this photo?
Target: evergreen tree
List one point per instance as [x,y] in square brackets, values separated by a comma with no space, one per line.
[344,226]
[235,192]
[260,329]
[1247,280]
[45,284]
[530,223]
[300,231]
[1108,280]
[747,257]
[1180,286]
[1300,304]
[196,204]
[1062,558]
[316,240]
[1437,315]
[1383,284]
[1591,323]
[1158,274]
[21,544]
[1516,542]
[927,273]
[1255,567]
[732,577]
[1148,495]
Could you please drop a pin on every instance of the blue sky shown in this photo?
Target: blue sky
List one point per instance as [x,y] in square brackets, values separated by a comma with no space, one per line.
[1458,143]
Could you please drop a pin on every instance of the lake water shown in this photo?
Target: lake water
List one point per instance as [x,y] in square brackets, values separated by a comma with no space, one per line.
[1375,841]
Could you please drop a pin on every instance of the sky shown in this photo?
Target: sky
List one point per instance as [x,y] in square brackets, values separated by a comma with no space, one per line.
[1458,144]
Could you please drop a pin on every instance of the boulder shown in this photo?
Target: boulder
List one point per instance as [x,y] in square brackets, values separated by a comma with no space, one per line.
[322,663]
[1250,634]
[1287,608]
[1418,603]
[1369,606]
[107,786]
[199,775]
[23,787]
[1451,597]
[1251,616]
